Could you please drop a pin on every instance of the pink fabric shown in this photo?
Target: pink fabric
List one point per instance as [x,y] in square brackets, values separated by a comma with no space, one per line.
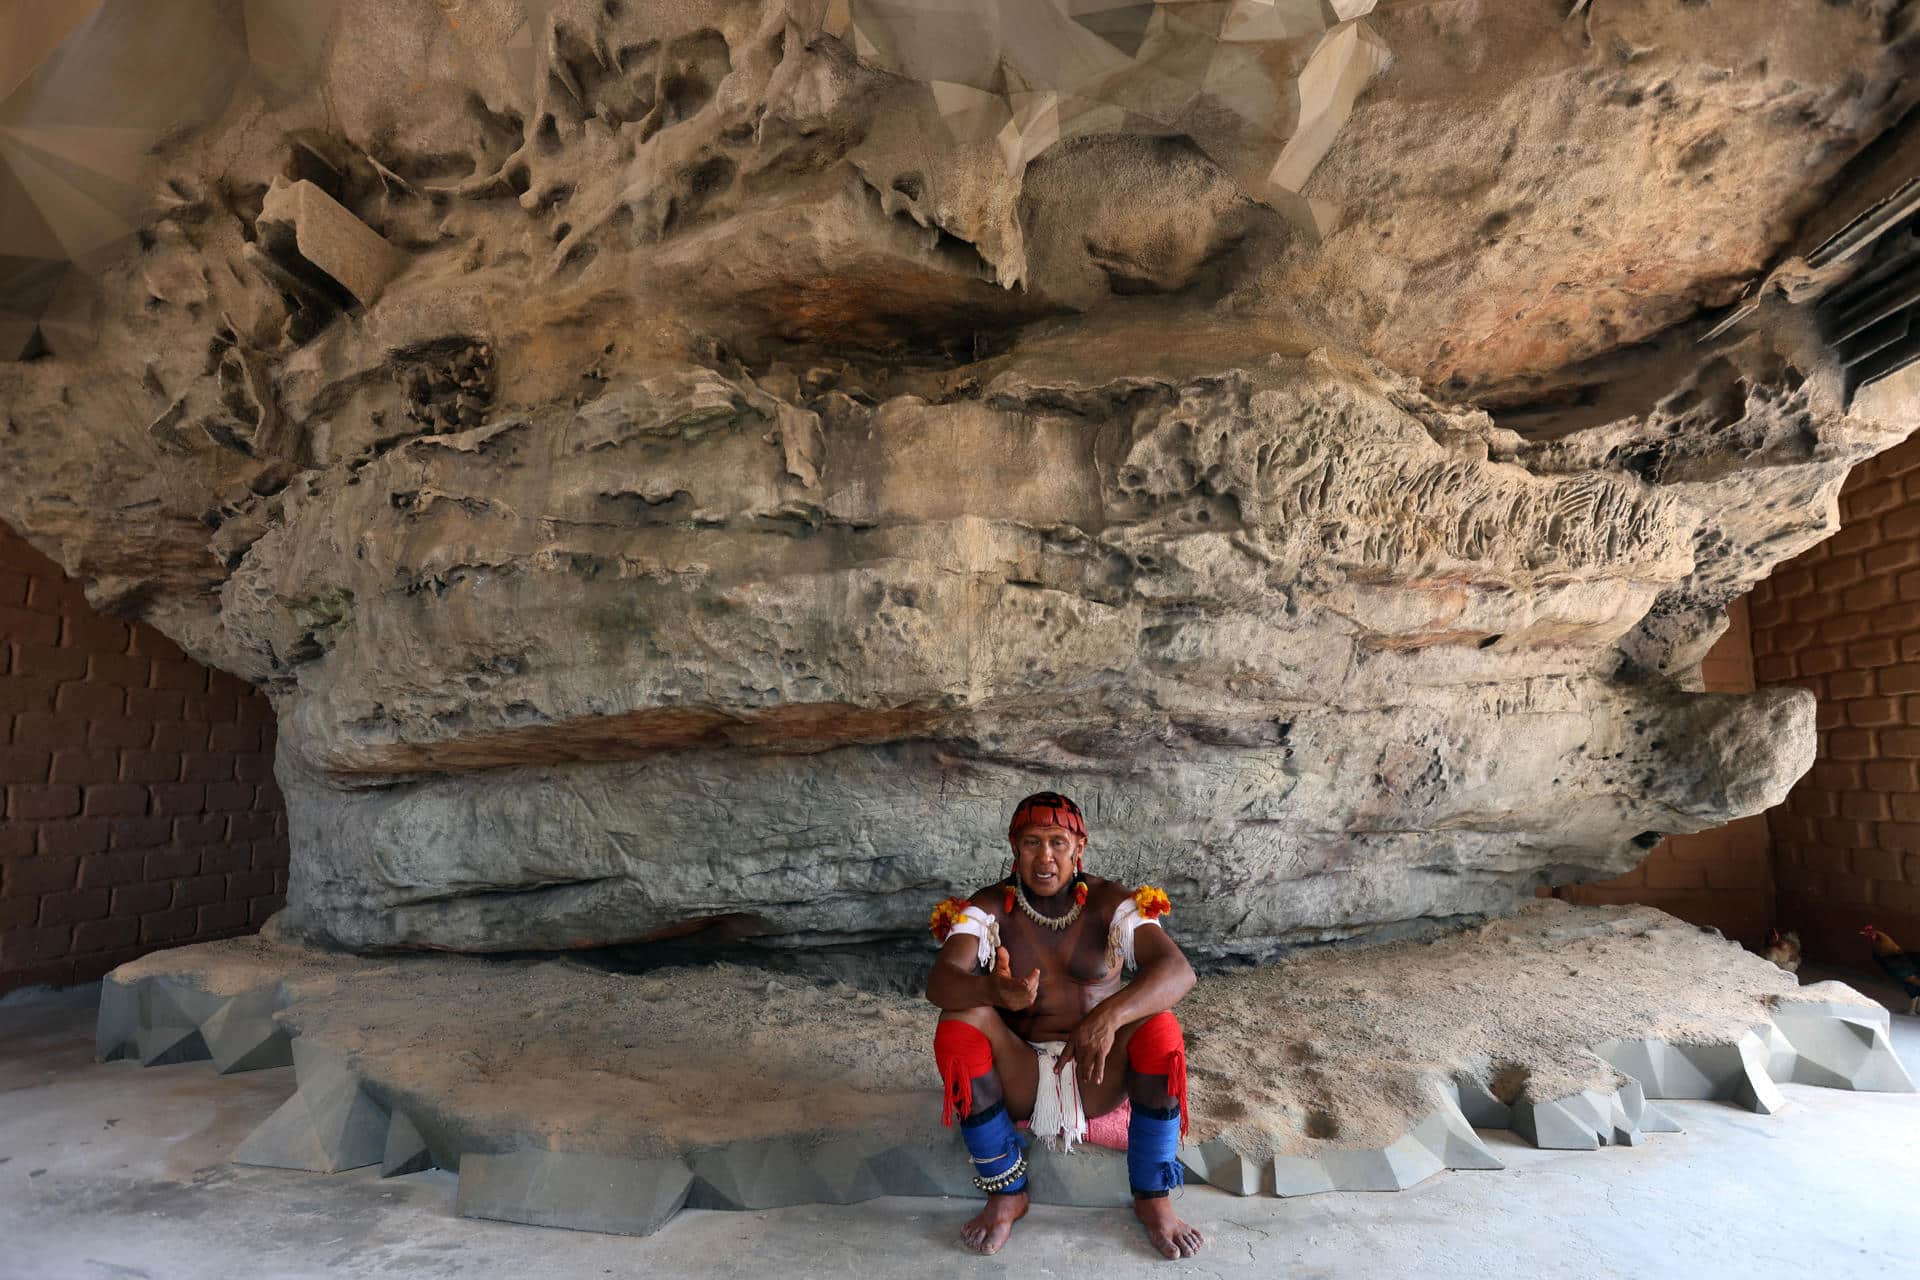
[1109,1130]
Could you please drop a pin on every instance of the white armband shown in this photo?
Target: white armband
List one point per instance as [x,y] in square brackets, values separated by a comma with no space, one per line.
[1126,919]
[977,923]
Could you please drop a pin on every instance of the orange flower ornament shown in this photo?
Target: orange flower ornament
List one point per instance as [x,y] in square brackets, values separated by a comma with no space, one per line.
[948,914]
[1151,902]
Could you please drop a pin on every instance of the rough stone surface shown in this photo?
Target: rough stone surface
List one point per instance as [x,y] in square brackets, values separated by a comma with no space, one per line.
[1624,165]
[580,1075]
[1828,1177]
[687,467]
[562,1097]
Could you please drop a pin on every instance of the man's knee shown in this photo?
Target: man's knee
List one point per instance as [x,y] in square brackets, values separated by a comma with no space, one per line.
[963,1054]
[961,1046]
[1157,1054]
[1156,1044]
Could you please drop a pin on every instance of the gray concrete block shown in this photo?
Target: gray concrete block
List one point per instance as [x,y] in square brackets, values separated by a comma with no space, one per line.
[1754,1089]
[405,1150]
[825,1169]
[1446,1133]
[328,1125]
[1737,1072]
[175,1002]
[1645,1117]
[1222,1166]
[761,1174]
[325,1135]
[241,1034]
[1410,1161]
[170,1013]
[1441,1140]
[1300,1176]
[1090,1177]
[844,1167]
[1590,1119]
[576,1190]
[831,1167]
[1781,1055]
[1477,1103]
[1655,1120]
[1662,1071]
[116,1030]
[1555,1126]
[1840,1046]
[164,1044]
[914,1170]
[1613,1123]
[1390,1168]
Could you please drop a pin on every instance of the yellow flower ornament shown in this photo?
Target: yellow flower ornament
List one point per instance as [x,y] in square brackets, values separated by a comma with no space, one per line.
[949,913]
[1151,902]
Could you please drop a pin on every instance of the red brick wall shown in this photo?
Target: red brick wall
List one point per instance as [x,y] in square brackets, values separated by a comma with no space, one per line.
[1720,877]
[137,802]
[1844,621]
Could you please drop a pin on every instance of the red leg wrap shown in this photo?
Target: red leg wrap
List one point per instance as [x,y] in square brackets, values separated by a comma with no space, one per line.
[1158,1049]
[961,1052]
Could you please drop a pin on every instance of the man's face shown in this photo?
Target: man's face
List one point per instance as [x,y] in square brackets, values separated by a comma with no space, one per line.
[1045,858]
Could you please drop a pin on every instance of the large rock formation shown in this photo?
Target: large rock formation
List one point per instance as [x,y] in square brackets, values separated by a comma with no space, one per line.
[691,466]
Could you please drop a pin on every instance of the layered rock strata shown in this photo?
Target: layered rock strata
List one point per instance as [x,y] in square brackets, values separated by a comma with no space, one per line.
[678,470]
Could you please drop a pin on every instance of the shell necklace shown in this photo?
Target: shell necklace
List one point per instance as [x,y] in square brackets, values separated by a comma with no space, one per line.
[1045,922]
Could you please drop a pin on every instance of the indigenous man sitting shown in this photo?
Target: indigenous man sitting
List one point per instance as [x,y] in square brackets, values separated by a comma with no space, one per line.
[1069,1038]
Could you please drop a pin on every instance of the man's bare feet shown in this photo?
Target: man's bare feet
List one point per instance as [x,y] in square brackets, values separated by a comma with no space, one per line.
[1172,1237]
[989,1229]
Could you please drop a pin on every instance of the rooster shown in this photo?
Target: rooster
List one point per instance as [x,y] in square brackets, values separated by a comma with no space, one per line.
[1784,950]
[1896,964]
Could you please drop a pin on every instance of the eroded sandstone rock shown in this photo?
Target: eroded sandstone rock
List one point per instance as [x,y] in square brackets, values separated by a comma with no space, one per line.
[669,475]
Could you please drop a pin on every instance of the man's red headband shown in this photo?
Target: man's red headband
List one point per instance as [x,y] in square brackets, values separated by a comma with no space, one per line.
[1047,809]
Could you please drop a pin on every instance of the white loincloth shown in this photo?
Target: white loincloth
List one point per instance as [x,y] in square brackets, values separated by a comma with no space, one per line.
[1058,1118]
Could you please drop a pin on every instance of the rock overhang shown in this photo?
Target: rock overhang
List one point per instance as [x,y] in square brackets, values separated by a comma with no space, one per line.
[723,424]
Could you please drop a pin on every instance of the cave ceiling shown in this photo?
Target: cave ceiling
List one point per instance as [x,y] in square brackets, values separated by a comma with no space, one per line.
[684,466]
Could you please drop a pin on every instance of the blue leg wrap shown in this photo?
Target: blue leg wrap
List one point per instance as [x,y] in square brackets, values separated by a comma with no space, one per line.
[1153,1150]
[994,1145]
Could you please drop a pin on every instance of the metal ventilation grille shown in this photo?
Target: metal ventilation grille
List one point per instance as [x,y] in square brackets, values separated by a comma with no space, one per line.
[1873,321]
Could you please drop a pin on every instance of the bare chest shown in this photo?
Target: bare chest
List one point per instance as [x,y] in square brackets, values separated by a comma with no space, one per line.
[1076,954]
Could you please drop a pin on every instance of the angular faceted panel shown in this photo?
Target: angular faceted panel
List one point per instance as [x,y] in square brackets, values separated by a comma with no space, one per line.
[1233,77]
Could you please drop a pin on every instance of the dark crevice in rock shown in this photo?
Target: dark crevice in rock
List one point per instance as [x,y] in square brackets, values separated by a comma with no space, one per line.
[793,728]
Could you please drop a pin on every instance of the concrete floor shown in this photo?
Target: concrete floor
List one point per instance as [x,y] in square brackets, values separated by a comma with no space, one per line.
[108,1171]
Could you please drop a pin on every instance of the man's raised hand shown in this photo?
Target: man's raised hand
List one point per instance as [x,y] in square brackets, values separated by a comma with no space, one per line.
[1010,992]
